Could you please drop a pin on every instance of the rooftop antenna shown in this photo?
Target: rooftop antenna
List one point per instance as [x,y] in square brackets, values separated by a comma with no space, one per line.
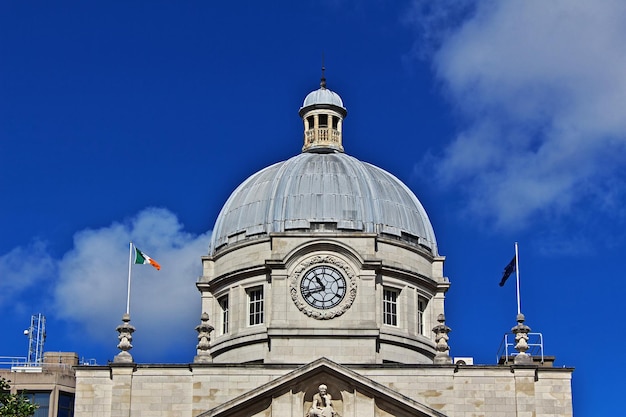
[323,80]
[36,337]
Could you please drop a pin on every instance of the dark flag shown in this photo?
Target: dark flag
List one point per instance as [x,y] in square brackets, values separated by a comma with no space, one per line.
[508,270]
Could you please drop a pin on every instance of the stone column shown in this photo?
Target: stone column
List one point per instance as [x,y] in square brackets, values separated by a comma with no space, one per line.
[204,330]
[121,390]
[521,342]
[442,357]
[125,337]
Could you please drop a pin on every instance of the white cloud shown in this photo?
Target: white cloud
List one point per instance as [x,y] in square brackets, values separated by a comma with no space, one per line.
[22,269]
[541,87]
[165,305]
[434,21]
[87,288]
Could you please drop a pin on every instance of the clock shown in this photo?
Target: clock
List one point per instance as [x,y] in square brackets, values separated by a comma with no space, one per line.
[323,287]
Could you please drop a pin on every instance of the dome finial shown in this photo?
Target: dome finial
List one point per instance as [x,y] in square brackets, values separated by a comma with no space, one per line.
[323,80]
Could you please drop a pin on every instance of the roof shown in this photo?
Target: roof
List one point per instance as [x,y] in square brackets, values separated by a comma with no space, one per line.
[322,96]
[332,188]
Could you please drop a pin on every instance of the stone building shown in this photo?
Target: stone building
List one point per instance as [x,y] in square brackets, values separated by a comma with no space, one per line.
[323,295]
[49,383]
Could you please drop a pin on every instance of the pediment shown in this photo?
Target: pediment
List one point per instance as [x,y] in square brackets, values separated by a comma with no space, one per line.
[352,395]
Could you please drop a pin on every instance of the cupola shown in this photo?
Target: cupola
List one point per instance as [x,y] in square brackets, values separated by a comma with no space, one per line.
[323,114]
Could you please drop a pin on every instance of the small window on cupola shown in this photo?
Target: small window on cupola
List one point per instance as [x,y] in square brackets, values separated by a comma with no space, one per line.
[335,122]
[323,119]
[311,122]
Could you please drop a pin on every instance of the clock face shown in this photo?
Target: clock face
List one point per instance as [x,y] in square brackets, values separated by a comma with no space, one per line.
[323,287]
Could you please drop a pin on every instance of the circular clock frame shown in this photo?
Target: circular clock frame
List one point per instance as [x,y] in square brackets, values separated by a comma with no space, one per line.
[323,287]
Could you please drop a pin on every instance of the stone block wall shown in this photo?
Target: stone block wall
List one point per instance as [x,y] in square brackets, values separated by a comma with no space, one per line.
[187,391]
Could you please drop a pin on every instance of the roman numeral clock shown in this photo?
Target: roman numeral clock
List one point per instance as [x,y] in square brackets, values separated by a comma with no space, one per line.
[323,287]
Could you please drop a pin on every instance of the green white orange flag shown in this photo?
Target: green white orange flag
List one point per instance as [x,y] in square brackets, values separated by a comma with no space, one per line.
[142,258]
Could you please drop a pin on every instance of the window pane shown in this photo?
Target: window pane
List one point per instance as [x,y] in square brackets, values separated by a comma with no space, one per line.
[390,307]
[224,306]
[421,307]
[40,398]
[256,306]
[66,405]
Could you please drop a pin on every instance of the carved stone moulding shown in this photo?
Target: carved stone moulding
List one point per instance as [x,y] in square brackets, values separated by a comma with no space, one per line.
[310,263]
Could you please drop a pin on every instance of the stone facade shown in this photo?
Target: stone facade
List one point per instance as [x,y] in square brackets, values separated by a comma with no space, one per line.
[282,390]
[353,332]
[322,270]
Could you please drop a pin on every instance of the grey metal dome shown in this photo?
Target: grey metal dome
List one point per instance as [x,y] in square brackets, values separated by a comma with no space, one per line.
[322,96]
[328,191]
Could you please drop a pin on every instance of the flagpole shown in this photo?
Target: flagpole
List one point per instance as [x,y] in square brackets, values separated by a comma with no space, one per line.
[519,305]
[130,257]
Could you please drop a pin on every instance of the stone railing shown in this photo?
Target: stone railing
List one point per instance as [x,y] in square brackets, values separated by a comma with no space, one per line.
[322,135]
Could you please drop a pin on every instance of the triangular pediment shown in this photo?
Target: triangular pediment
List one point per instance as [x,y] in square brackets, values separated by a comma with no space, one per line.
[350,391]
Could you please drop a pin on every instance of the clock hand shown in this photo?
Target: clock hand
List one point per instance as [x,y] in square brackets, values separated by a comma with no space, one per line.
[312,290]
[319,281]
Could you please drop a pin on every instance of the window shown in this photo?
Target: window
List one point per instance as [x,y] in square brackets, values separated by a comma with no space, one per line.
[323,120]
[390,307]
[421,307]
[66,405]
[311,122]
[42,399]
[224,306]
[335,122]
[255,297]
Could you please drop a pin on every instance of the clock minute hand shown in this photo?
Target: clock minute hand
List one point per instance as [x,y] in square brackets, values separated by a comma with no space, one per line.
[319,281]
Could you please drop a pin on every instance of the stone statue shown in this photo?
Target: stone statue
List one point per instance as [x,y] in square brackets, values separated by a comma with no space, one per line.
[322,404]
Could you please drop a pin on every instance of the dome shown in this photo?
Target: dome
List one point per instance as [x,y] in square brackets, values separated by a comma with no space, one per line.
[322,96]
[323,191]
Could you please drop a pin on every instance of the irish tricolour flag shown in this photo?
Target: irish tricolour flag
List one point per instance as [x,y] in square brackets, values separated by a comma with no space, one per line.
[142,258]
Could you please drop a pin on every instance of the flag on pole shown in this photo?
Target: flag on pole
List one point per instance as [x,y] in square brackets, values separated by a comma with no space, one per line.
[508,270]
[142,258]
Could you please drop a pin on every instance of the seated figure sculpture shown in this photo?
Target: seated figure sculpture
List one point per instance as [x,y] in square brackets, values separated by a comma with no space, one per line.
[322,404]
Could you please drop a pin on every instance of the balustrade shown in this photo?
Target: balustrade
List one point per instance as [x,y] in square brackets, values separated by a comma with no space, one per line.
[321,135]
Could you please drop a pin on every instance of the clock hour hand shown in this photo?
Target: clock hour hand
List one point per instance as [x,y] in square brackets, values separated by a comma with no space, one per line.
[312,290]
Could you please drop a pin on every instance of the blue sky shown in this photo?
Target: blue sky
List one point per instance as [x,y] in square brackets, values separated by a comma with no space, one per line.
[135,120]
